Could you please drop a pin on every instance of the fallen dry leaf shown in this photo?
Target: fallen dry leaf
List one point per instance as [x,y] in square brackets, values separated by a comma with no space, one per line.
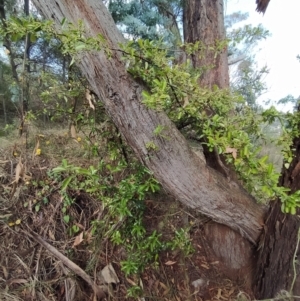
[230,150]
[51,235]
[5,273]
[88,96]
[19,170]
[205,266]
[170,262]
[131,281]
[73,131]
[78,239]
[163,285]
[109,275]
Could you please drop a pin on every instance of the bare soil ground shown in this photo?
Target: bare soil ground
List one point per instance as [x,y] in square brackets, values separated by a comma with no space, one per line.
[41,259]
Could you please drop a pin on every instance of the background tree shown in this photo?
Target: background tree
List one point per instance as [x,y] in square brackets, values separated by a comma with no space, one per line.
[37,64]
[246,79]
[7,108]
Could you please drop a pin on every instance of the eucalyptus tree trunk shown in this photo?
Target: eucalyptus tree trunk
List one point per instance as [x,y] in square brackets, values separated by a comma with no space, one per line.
[26,70]
[203,21]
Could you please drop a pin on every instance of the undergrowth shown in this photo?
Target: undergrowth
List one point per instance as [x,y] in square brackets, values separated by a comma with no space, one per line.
[117,182]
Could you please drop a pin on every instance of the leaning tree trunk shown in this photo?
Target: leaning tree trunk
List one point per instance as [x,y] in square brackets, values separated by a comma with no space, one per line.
[176,167]
[277,269]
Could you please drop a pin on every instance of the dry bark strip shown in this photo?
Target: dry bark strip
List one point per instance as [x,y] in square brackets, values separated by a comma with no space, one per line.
[67,262]
[173,164]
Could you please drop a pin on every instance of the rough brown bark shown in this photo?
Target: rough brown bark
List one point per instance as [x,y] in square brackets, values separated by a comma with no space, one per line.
[275,272]
[203,21]
[173,164]
[278,243]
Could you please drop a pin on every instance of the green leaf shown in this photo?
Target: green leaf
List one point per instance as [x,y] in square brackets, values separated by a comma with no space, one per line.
[270,169]
[58,169]
[63,21]
[72,61]
[33,38]
[82,171]
[67,218]
[80,46]
[66,182]
[15,37]
[37,208]
[64,163]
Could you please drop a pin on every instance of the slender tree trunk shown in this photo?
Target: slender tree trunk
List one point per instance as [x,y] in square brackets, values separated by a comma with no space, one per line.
[174,164]
[3,96]
[26,71]
[7,43]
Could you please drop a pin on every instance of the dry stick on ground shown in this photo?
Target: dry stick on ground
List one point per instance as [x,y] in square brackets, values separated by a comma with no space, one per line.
[70,264]
[45,230]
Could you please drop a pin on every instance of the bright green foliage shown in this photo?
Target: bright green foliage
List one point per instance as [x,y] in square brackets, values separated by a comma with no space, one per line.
[181,242]
[54,77]
[135,291]
[124,202]
[243,39]
[72,37]
[210,113]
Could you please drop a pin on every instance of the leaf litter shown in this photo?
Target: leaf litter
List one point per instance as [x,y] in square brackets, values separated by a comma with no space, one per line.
[42,259]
